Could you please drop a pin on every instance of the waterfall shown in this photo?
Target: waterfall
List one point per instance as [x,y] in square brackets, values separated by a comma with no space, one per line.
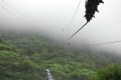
[49,76]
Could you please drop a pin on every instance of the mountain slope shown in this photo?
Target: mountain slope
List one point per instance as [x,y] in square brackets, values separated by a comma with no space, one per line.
[26,56]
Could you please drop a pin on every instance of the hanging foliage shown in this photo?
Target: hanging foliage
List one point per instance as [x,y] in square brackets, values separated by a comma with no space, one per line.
[91,7]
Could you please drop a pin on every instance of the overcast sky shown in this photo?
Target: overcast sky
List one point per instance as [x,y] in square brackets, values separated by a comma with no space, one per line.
[52,17]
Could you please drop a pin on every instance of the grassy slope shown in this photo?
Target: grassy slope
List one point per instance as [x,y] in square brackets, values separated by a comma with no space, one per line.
[26,56]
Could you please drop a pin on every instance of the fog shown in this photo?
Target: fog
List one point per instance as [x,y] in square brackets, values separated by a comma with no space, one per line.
[52,18]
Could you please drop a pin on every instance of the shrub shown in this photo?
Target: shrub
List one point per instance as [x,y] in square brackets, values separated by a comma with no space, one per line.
[112,72]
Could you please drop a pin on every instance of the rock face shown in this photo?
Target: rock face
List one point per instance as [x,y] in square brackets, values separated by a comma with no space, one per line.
[91,7]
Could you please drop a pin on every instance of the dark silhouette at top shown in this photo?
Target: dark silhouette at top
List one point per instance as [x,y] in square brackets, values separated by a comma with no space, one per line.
[91,7]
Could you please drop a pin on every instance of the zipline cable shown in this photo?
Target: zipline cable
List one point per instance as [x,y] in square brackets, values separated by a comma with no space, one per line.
[18,13]
[74,14]
[14,8]
[10,12]
[102,43]
[106,26]
[78,30]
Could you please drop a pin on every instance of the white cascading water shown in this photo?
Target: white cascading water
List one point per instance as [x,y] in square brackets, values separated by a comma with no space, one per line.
[50,77]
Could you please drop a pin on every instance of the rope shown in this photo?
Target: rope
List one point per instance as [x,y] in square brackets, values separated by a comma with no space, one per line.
[78,31]
[103,43]
[74,14]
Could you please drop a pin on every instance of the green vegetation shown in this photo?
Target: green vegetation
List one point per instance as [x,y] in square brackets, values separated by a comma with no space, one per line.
[27,56]
[112,72]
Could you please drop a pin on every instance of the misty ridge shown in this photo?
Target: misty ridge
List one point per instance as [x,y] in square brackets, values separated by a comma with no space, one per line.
[60,40]
[53,19]
[31,54]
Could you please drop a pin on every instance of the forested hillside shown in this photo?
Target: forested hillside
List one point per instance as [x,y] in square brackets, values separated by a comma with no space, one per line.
[26,56]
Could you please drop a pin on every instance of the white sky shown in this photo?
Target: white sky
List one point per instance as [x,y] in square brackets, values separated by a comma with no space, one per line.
[51,16]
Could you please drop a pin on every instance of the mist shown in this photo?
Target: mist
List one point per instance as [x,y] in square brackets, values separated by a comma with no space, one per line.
[52,19]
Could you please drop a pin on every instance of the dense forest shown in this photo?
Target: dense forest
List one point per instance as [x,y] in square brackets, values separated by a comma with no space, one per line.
[26,56]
